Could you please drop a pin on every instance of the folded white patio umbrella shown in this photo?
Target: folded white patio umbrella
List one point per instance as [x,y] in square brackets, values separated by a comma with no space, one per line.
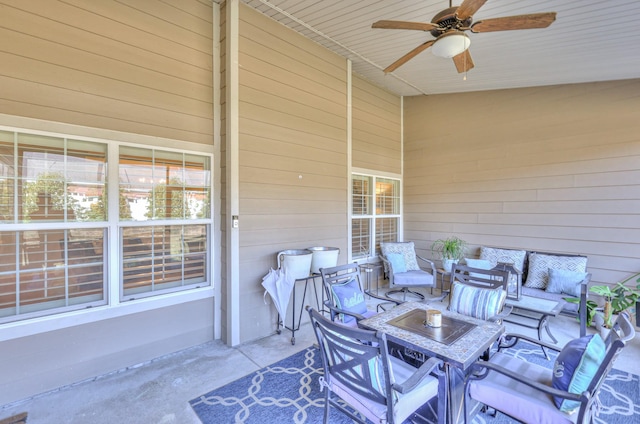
[279,286]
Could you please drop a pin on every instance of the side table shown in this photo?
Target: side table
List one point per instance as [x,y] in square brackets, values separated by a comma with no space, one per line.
[444,276]
[369,270]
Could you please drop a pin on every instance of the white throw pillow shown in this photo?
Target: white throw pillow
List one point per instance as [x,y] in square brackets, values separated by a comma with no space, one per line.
[493,255]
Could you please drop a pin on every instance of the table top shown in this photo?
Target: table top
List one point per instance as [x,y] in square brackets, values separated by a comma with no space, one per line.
[535,304]
[461,353]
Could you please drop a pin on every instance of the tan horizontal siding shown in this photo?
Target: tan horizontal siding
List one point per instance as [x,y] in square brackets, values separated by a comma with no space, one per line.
[376,128]
[547,168]
[293,155]
[140,67]
[269,137]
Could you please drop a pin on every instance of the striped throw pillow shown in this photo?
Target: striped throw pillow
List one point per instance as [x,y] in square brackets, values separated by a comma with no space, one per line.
[476,302]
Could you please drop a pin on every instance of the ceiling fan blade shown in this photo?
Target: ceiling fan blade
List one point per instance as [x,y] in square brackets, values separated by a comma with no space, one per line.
[463,61]
[534,20]
[421,26]
[468,8]
[407,57]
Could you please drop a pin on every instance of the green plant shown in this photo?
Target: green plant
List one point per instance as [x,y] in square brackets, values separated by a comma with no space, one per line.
[450,248]
[592,307]
[617,298]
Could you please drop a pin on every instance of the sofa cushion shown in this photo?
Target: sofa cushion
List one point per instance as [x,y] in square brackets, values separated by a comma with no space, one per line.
[567,307]
[493,255]
[539,264]
[575,367]
[565,281]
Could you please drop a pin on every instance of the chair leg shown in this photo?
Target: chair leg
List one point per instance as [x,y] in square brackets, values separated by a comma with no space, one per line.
[404,291]
[327,405]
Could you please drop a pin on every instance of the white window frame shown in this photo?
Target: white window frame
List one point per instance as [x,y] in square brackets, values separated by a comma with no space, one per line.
[113,307]
[373,216]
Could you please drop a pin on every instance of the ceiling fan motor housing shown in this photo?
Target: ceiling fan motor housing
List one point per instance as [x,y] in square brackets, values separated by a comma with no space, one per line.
[447,20]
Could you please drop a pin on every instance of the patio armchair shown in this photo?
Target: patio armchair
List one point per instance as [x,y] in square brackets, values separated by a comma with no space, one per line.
[358,371]
[345,299]
[403,270]
[534,394]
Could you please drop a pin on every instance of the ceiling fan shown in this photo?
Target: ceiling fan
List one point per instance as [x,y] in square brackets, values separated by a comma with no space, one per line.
[449,26]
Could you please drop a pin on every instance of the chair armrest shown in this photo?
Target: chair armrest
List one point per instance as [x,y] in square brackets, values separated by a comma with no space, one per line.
[335,311]
[415,378]
[480,369]
[502,315]
[387,268]
[432,265]
[510,339]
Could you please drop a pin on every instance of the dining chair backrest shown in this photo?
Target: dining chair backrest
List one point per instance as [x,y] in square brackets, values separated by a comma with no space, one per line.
[478,293]
[477,277]
[621,333]
[345,297]
[357,371]
[568,393]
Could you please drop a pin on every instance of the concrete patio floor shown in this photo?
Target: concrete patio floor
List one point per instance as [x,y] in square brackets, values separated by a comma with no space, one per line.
[159,391]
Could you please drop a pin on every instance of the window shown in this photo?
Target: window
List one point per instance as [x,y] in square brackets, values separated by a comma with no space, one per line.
[375,215]
[54,209]
[159,186]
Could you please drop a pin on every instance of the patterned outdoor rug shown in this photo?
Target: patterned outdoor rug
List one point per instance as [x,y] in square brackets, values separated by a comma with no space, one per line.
[288,392]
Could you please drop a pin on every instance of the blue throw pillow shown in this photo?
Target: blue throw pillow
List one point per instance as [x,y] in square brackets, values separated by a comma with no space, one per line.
[575,367]
[565,281]
[480,264]
[349,297]
[397,262]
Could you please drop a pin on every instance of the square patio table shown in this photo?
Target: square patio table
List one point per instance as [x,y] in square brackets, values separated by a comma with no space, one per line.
[458,356]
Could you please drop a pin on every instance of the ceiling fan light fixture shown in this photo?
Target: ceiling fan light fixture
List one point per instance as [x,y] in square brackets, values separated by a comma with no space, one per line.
[450,44]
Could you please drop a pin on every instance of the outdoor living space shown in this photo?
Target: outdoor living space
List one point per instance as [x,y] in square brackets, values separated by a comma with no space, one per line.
[159,391]
[156,157]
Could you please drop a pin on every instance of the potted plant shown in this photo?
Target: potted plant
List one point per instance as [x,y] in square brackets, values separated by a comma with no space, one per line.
[617,299]
[451,250]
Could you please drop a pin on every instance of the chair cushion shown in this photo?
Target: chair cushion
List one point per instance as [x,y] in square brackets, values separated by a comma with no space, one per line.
[397,262]
[494,256]
[565,281]
[407,249]
[349,297]
[539,264]
[477,302]
[517,399]
[414,278]
[406,403]
[575,367]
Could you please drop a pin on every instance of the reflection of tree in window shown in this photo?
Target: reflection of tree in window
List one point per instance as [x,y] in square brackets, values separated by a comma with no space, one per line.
[46,199]
[167,200]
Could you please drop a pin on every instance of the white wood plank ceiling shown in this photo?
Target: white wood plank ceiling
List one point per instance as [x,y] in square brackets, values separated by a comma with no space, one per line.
[591,40]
